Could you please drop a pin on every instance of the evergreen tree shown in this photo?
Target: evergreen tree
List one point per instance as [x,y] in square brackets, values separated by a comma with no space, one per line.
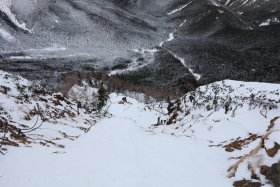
[103,96]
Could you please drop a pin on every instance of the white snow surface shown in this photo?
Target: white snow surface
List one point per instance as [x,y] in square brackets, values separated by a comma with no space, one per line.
[118,152]
[171,37]
[252,106]
[129,148]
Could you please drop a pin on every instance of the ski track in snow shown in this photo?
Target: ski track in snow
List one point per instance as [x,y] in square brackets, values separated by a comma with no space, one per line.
[117,152]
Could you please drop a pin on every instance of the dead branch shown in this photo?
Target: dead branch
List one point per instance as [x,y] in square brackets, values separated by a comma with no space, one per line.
[33,128]
[264,112]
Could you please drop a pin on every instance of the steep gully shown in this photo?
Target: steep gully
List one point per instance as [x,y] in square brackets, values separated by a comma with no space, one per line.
[170,38]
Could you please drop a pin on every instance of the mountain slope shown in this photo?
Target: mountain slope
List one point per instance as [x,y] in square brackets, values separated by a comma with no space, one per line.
[71,35]
[257,12]
[76,26]
[214,39]
[238,117]
[223,132]
[223,40]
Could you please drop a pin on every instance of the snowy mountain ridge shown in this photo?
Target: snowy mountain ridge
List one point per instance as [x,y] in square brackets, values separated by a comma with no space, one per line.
[236,124]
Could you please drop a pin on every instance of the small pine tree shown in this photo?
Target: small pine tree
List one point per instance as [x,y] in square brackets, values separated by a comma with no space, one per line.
[103,96]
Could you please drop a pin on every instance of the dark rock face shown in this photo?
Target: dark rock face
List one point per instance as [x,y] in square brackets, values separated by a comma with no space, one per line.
[246,183]
[273,174]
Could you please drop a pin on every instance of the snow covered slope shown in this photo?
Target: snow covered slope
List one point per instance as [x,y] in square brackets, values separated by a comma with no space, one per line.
[221,133]
[243,119]
[30,115]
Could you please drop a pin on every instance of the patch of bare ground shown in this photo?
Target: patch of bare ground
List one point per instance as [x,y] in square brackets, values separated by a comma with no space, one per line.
[246,183]
[239,143]
[272,173]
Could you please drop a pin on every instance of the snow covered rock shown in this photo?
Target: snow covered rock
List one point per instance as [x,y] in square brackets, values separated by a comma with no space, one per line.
[273,173]
[31,115]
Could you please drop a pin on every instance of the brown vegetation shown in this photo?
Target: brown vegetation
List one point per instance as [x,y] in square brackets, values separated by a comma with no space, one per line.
[240,143]
[116,83]
[246,183]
